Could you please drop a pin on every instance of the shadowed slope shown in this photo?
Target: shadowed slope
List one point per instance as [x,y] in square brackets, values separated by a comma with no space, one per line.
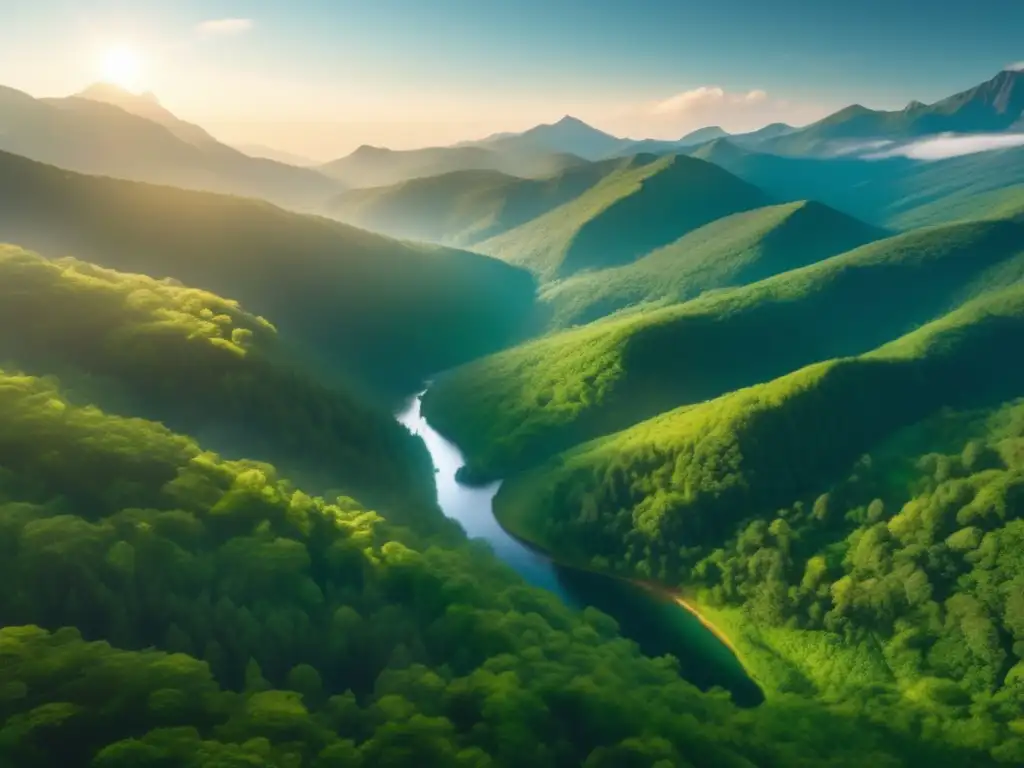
[514,408]
[386,312]
[734,250]
[649,202]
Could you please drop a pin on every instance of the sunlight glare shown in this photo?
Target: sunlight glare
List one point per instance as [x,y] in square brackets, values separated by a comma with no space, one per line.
[122,67]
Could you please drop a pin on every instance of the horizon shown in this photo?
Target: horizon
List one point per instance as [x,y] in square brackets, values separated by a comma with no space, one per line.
[390,75]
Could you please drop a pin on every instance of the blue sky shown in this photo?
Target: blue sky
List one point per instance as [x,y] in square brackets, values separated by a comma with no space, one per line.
[323,75]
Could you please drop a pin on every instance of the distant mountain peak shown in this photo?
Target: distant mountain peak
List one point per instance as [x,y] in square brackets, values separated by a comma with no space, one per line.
[567,120]
[109,93]
[705,134]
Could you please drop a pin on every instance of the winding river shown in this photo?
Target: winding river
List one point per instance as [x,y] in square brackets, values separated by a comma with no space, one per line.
[654,621]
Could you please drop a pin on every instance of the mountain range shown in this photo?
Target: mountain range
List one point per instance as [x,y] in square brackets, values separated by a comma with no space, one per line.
[105,130]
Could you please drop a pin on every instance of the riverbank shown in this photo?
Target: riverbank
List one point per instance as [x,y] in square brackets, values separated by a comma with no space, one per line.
[513,526]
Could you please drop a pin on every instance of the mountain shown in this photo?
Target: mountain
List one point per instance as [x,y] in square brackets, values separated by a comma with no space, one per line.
[994,106]
[463,207]
[893,192]
[734,250]
[771,131]
[647,202]
[348,296]
[703,134]
[112,133]
[148,107]
[379,167]
[279,155]
[514,408]
[569,135]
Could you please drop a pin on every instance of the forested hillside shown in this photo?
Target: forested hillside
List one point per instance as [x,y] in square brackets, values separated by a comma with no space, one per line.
[200,362]
[171,608]
[352,299]
[646,203]
[734,250]
[512,409]
[464,207]
[916,553]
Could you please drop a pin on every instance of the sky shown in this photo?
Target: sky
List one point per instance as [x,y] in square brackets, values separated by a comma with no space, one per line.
[318,78]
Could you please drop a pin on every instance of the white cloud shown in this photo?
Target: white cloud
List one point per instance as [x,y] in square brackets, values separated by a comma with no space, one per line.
[223,27]
[703,98]
[951,145]
[1016,67]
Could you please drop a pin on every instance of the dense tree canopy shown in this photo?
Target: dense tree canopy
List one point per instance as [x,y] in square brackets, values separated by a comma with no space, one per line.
[914,558]
[168,608]
[199,362]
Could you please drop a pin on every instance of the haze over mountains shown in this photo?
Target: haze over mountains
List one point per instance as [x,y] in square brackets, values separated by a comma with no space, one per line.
[772,378]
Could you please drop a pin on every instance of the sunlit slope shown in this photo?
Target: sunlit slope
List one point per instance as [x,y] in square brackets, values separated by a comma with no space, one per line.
[136,139]
[734,250]
[697,470]
[647,203]
[511,409]
[383,311]
[202,364]
[464,207]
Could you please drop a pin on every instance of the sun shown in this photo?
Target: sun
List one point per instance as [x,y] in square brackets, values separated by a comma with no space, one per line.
[123,67]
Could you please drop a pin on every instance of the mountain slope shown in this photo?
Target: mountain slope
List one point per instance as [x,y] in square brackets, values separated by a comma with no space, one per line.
[93,136]
[379,167]
[202,364]
[463,207]
[646,203]
[569,135]
[993,106]
[512,409]
[894,192]
[351,297]
[856,530]
[734,250]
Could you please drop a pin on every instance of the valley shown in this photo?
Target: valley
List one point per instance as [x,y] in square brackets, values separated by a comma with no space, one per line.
[549,449]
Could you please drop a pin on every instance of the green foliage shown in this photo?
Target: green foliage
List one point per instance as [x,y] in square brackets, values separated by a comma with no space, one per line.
[514,408]
[734,250]
[350,298]
[873,565]
[167,608]
[198,360]
[646,203]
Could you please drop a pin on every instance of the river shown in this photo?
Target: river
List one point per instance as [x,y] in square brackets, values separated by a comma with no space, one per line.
[655,622]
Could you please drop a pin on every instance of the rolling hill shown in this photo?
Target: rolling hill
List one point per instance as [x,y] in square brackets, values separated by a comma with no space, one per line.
[515,408]
[750,451]
[380,167]
[646,203]
[108,132]
[348,296]
[734,250]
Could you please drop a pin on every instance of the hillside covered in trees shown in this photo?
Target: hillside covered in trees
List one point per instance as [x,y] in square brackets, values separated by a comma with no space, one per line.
[172,608]
[348,297]
[512,409]
[199,361]
[856,521]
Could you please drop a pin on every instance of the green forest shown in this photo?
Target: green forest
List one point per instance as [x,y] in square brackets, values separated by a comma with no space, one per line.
[409,475]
